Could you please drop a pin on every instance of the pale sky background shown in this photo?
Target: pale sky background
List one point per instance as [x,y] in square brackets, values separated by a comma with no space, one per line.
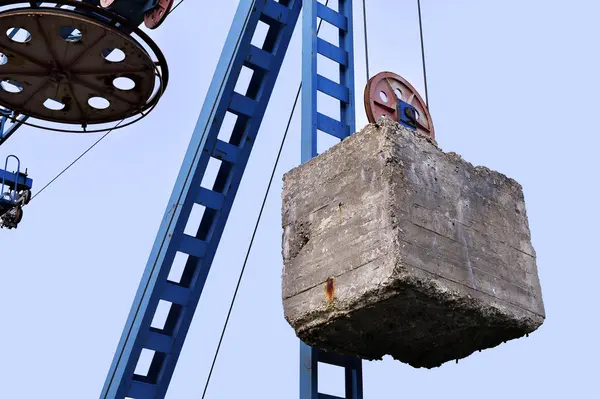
[513,86]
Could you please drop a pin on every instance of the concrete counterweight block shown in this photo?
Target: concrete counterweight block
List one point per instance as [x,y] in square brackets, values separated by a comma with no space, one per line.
[393,247]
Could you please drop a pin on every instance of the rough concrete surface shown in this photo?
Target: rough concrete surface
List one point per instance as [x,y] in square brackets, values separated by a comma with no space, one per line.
[393,247]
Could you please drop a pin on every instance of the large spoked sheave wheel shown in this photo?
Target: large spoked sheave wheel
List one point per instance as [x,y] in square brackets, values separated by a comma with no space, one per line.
[69,67]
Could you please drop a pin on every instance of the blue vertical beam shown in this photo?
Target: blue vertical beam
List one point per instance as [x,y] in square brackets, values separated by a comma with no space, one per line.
[313,121]
[309,81]
[348,110]
[312,83]
[354,378]
[308,372]
[183,293]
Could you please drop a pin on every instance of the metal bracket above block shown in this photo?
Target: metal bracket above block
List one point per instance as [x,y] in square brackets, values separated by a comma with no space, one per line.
[407,114]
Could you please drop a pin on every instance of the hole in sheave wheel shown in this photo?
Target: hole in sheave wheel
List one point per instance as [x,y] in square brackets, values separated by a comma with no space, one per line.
[113,55]
[398,94]
[70,34]
[18,35]
[3,59]
[383,96]
[11,86]
[53,105]
[124,83]
[98,103]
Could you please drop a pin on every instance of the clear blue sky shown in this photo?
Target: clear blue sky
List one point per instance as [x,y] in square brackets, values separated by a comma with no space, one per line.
[513,86]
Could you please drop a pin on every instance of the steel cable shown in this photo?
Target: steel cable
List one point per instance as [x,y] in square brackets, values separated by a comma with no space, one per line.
[69,166]
[364,3]
[76,159]
[423,53]
[175,7]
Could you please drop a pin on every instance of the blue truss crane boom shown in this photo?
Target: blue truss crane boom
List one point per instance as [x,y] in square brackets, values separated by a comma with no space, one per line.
[183,295]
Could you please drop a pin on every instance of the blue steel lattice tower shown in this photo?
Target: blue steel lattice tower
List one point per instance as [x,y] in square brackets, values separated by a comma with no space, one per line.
[312,122]
[183,292]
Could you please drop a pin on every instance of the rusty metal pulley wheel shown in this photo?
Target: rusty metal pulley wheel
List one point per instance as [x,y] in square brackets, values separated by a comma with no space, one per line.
[155,17]
[70,67]
[380,97]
